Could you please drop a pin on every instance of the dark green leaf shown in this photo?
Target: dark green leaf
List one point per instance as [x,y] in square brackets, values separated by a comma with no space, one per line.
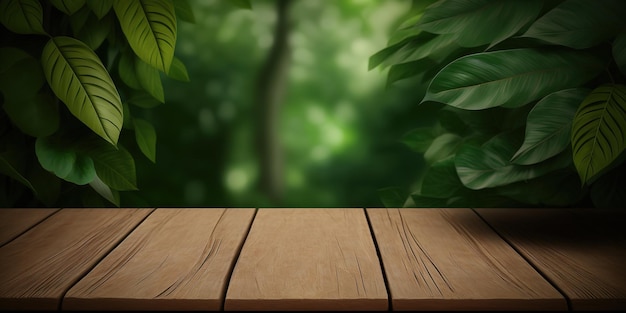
[102,7]
[103,190]
[178,70]
[150,80]
[62,159]
[184,11]
[409,69]
[549,126]
[143,100]
[9,168]
[441,179]
[37,116]
[510,78]
[21,80]
[80,80]
[146,138]
[599,131]
[126,69]
[442,147]
[419,139]
[68,7]
[94,31]
[22,16]
[480,22]
[579,24]
[392,197]
[150,28]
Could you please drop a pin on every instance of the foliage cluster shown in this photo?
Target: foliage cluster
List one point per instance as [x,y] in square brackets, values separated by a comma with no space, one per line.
[532,102]
[76,77]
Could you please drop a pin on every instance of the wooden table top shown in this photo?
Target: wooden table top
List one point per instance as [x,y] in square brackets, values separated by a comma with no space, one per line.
[312,259]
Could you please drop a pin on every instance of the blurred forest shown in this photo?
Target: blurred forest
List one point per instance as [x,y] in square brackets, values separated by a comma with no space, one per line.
[281,109]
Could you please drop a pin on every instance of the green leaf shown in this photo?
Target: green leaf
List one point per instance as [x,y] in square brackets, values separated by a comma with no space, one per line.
[549,126]
[451,121]
[408,69]
[441,179]
[68,7]
[100,7]
[150,79]
[510,78]
[150,28]
[146,138]
[184,11]
[579,24]
[103,190]
[62,159]
[381,56]
[22,79]
[78,78]
[419,139]
[115,167]
[619,51]
[22,16]
[488,166]
[178,70]
[479,22]
[37,115]
[143,100]
[599,131]
[392,197]
[126,70]
[94,31]
[442,147]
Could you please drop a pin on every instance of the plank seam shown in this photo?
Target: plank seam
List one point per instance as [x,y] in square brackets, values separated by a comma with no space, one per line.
[231,269]
[29,228]
[537,269]
[380,261]
[104,255]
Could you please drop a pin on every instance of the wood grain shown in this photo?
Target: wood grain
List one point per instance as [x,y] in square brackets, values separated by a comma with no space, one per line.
[448,259]
[13,222]
[308,259]
[38,267]
[177,259]
[583,251]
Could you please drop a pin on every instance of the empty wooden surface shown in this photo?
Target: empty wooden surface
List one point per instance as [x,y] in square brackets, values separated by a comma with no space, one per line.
[583,251]
[13,222]
[177,259]
[39,266]
[449,259]
[308,259]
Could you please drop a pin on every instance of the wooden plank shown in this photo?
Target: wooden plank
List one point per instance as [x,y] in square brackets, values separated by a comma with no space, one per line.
[38,267]
[177,259]
[308,259]
[448,259]
[582,251]
[13,222]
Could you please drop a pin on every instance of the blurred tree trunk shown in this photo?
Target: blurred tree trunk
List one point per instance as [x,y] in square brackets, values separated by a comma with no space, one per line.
[271,88]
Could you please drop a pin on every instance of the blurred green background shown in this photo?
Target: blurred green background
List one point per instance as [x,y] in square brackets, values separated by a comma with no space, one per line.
[338,127]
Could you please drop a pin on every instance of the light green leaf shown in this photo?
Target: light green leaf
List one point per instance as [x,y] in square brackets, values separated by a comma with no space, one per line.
[419,139]
[488,166]
[22,16]
[579,24]
[146,138]
[103,190]
[37,115]
[100,7]
[178,70]
[619,51]
[150,28]
[392,197]
[115,167]
[78,78]
[442,147]
[479,22]
[150,79]
[184,11]
[599,131]
[68,7]
[441,179]
[62,159]
[549,126]
[510,78]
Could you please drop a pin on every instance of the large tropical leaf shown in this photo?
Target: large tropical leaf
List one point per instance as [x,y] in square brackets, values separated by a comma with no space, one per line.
[510,78]
[599,131]
[579,24]
[150,28]
[549,126]
[488,165]
[479,22]
[22,16]
[78,78]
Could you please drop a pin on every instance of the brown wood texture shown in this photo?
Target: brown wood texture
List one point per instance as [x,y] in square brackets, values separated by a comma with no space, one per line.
[38,267]
[449,259]
[582,251]
[308,259]
[177,259]
[13,222]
